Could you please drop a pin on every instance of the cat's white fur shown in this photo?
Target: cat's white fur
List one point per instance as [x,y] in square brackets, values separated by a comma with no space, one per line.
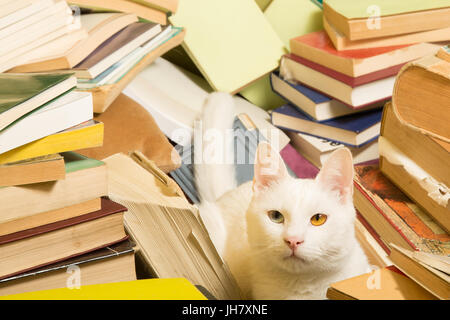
[253,245]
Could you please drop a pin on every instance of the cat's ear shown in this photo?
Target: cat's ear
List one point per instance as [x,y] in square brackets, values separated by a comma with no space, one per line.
[337,174]
[269,167]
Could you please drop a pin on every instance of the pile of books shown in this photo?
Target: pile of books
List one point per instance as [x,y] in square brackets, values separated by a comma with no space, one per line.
[335,94]
[53,219]
[111,49]
[405,198]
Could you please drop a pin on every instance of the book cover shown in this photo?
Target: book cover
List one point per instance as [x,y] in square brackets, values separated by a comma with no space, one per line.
[351,81]
[18,88]
[355,123]
[407,219]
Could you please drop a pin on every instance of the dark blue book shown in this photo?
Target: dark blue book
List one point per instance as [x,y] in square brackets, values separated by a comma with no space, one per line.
[354,130]
[314,104]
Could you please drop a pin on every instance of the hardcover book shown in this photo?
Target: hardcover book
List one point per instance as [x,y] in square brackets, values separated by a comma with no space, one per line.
[354,130]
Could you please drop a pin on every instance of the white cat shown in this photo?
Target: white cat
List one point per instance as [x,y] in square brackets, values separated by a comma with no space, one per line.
[283,238]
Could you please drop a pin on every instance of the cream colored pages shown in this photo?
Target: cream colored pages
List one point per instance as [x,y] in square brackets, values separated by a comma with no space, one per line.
[231,42]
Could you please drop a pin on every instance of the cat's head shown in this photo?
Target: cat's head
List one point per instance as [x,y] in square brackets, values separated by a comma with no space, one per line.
[301,225]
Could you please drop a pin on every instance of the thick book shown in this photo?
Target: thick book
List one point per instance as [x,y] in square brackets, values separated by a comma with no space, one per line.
[105,94]
[381,284]
[15,11]
[114,263]
[340,42]
[99,27]
[358,96]
[317,150]
[88,134]
[433,280]
[115,48]
[146,12]
[315,104]
[40,169]
[394,216]
[159,215]
[161,5]
[51,243]
[22,93]
[417,164]
[317,47]
[422,94]
[62,113]
[353,130]
[86,179]
[366,19]
[236,55]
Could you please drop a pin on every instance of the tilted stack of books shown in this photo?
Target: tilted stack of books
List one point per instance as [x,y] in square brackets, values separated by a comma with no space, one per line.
[53,219]
[335,91]
[116,46]
[405,198]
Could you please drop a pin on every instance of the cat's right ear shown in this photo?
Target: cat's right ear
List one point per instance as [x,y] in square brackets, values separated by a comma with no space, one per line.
[269,167]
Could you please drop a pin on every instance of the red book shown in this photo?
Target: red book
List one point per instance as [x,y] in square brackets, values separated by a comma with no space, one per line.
[317,47]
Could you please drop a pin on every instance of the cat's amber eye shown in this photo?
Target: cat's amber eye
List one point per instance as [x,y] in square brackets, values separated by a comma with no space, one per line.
[318,219]
[276,216]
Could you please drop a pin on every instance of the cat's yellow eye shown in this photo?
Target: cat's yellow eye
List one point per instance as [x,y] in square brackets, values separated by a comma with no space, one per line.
[318,219]
[276,216]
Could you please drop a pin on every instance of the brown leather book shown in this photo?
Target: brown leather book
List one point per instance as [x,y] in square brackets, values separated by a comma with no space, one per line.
[43,245]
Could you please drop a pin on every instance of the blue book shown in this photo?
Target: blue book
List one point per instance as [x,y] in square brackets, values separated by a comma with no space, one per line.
[318,3]
[354,130]
[314,104]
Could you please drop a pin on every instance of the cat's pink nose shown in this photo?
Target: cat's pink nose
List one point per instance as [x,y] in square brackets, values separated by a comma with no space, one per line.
[293,242]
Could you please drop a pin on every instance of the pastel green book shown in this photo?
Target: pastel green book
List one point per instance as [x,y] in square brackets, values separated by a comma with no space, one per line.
[74,162]
[21,93]
[359,9]
[231,42]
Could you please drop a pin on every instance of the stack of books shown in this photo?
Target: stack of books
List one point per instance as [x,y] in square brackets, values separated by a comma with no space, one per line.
[404,198]
[53,218]
[335,94]
[27,27]
[116,47]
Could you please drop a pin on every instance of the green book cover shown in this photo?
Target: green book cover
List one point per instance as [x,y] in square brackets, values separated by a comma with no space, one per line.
[352,9]
[18,88]
[75,162]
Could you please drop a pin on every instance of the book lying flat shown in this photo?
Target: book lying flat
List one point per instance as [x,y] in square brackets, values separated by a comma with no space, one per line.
[33,248]
[159,215]
[104,95]
[394,216]
[340,42]
[144,289]
[353,130]
[99,27]
[115,48]
[317,150]
[62,113]
[85,135]
[85,180]
[41,169]
[22,93]
[366,20]
[432,280]
[382,284]
[313,103]
[14,11]
[317,47]
[354,96]
[114,263]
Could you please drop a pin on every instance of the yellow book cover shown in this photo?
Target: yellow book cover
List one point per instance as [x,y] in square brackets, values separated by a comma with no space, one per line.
[86,135]
[147,289]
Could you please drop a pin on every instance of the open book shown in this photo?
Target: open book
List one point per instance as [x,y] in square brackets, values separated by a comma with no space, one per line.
[169,233]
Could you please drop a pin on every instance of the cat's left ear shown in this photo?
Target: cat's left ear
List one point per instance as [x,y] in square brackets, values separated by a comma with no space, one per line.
[269,167]
[337,174]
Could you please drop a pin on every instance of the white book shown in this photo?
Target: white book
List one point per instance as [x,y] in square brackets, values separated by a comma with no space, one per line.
[64,112]
[16,10]
[175,98]
[317,150]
